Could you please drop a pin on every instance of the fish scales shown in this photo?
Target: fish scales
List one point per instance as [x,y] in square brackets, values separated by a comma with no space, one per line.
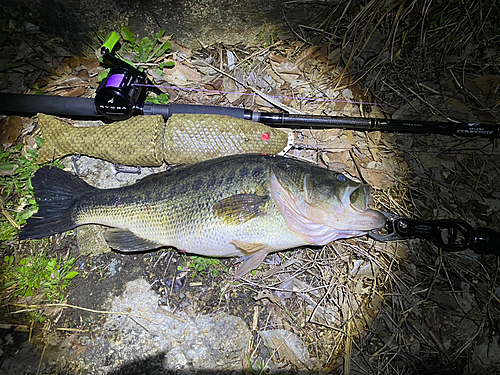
[176,209]
[231,206]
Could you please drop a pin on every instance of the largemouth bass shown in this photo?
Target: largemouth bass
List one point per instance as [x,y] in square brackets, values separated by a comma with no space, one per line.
[243,205]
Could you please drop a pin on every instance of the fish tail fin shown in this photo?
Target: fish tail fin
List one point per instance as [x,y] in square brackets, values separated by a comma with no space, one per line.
[56,193]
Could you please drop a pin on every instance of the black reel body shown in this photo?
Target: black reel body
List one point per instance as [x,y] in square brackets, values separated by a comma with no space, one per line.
[120,95]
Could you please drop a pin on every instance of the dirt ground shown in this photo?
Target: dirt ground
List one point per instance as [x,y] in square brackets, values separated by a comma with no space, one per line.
[356,306]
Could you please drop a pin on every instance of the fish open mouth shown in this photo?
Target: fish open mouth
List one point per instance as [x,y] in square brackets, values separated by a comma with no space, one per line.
[357,215]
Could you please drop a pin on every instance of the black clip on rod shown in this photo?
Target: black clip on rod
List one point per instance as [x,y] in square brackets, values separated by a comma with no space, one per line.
[30,105]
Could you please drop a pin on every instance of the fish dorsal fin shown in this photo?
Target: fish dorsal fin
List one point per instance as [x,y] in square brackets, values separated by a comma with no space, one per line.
[239,208]
[125,240]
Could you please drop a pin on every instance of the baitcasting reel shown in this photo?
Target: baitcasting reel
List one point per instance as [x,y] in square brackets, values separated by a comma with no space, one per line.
[122,93]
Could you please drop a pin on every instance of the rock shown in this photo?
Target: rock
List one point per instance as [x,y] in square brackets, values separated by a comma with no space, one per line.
[154,339]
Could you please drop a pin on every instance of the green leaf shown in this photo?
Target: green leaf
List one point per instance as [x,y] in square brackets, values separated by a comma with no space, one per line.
[38,141]
[26,214]
[103,75]
[168,64]
[8,283]
[127,35]
[25,175]
[160,51]
[159,34]
[140,50]
[145,42]
[165,47]
[32,154]
[70,275]
[7,166]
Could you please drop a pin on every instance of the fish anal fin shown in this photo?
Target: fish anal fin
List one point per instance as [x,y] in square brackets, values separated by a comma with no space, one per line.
[126,241]
[239,208]
[251,263]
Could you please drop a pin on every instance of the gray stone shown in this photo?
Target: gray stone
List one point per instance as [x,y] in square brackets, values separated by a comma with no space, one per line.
[155,337]
[193,22]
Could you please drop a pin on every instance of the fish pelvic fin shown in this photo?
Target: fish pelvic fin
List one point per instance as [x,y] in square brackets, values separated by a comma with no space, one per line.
[252,262]
[248,247]
[126,241]
[56,192]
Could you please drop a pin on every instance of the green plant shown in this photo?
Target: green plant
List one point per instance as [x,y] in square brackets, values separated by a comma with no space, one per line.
[17,201]
[158,99]
[256,366]
[38,274]
[254,272]
[201,266]
[146,49]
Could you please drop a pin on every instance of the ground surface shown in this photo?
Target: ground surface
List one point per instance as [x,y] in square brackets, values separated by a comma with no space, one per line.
[355,306]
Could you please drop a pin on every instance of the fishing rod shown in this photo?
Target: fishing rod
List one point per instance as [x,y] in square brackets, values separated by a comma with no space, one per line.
[122,94]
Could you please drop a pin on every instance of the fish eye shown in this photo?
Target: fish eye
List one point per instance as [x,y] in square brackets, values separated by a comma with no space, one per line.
[341,177]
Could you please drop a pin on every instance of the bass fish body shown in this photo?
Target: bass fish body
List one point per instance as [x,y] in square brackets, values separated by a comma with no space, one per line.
[247,205]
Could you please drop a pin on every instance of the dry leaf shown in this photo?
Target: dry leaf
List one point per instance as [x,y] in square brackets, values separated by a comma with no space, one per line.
[79,349]
[307,54]
[334,56]
[10,129]
[289,72]
[72,61]
[284,352]
[459,106]
[181,75]
[291,349]
[279,59]
[378,179]
[77,91]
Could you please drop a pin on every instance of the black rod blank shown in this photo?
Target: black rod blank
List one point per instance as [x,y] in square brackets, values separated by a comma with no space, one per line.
[30,105]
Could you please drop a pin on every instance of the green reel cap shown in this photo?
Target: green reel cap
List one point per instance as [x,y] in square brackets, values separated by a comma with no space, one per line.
[111,40]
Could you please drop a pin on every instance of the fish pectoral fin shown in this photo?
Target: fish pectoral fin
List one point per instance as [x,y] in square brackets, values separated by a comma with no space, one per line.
[247,247]
[239,208]
[251,263]
[125,240]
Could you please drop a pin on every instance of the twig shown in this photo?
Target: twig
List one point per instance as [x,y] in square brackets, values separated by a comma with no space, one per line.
[257,91]
[7,216]
[63,305]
